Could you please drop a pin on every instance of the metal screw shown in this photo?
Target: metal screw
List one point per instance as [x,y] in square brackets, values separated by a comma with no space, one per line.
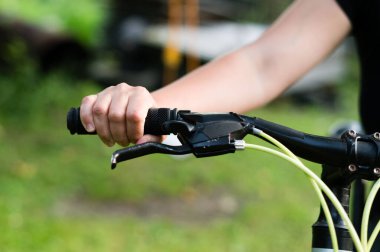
[352,168]
[352,133]
[376,171]
[377,135]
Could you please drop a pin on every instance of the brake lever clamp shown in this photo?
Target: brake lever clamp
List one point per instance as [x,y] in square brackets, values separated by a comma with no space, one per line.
[210,134]
[208,140]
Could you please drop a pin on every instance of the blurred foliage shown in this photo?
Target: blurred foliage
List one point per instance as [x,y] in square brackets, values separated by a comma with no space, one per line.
[83,19]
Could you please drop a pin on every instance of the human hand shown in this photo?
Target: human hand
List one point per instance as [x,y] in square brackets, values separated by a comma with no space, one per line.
[117,114]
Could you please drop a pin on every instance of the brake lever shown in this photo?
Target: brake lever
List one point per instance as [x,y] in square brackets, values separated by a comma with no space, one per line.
[203,135]
[140,150]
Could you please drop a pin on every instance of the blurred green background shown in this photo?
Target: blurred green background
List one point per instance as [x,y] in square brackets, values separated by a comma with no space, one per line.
[57,192]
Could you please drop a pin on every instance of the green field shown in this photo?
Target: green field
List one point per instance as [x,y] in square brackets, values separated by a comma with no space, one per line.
[58,193]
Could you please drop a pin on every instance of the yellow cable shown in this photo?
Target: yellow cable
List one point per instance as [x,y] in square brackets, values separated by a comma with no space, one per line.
[325,189]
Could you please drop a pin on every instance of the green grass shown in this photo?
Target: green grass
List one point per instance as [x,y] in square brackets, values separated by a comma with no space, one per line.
[57,192]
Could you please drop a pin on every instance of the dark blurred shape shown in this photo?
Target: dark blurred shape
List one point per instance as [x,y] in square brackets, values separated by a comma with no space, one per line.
[128,22]
[50,50]
[155,11]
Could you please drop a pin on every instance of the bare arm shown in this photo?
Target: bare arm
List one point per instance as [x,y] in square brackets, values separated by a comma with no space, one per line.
[251,76]
[244,79]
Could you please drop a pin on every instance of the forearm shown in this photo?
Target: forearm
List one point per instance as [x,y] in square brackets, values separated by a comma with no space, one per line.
[230,83]
[252,76]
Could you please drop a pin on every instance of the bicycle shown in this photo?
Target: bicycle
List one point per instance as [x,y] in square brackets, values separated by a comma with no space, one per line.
[345,159]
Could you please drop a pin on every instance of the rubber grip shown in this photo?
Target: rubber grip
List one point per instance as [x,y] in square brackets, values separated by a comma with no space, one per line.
[154,120]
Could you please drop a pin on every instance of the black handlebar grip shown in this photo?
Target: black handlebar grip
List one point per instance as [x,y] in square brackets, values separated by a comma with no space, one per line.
[153,121]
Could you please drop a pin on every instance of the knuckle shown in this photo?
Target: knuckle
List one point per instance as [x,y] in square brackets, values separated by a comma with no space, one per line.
[109,88]
[99,110]
[141,90]
[107,91]
[135,116]
[88,99]
[123,86]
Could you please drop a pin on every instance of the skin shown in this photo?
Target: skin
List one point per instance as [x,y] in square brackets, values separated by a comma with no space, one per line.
[242,80]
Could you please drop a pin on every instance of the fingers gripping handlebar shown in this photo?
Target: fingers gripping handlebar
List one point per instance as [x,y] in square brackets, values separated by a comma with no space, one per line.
[153,122]
[215,134]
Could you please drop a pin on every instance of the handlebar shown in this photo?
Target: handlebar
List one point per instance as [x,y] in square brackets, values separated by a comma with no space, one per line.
[153,121]
[215,134]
